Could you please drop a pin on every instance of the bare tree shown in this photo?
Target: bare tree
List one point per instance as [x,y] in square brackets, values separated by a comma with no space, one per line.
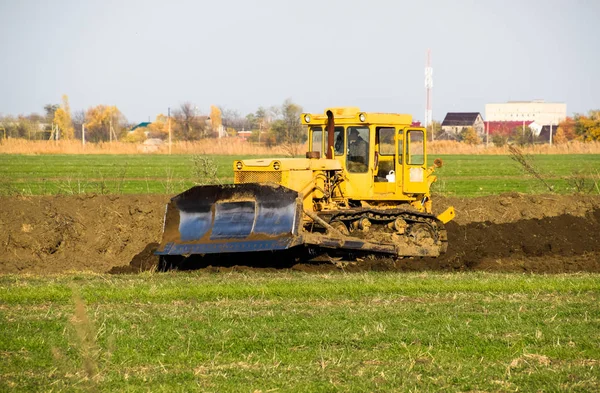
[233,119]
[287,128]
[78,119]
[188,125]
[50,109]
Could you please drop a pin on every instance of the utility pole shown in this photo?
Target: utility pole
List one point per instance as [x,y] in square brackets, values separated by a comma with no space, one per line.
[169,126]
[83,135]
[54,135]
[112,131]
[487,133]
[550,133]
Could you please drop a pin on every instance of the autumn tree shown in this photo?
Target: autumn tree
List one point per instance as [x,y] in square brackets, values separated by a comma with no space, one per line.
[588,127]
[559,137]
[567,128]
[100,119]
[159,128]
[136,136]
[215,119]
[62,118]
[469,135]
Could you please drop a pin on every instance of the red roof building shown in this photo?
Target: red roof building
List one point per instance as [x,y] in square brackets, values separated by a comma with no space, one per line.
[504,128]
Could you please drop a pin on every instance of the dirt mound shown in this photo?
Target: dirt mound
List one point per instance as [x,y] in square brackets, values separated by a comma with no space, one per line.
[564,235]
[510,232]
[513,207]
[141,262]
[76,233]
[549,245]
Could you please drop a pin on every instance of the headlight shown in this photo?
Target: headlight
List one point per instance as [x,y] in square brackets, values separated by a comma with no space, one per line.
[276,165]
[362,117]
[238,165]
[307,118]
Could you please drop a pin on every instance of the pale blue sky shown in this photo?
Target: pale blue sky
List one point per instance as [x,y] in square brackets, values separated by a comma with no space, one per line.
[145,56]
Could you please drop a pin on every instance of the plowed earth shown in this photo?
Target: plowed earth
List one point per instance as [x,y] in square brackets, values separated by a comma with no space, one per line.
[509,232]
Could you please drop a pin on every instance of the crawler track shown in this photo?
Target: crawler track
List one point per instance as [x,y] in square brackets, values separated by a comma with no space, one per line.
[420,234]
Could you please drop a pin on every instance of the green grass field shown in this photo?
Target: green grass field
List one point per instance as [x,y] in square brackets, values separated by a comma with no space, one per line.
[288,331]
[462,175]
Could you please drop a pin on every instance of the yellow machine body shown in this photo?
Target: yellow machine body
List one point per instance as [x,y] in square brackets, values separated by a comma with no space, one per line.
[394,171]
[364,186]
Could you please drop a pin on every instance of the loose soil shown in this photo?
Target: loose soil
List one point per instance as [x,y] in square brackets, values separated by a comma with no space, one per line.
[99,233]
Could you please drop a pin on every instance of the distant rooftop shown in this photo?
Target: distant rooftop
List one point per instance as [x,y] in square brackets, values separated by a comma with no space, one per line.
[460,118]
[140,125]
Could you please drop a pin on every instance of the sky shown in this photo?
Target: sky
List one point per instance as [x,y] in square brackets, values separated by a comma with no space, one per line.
[146,56]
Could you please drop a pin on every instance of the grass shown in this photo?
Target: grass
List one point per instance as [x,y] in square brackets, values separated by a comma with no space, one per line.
[479,175]
[462,175]
[288,331]
[128,174]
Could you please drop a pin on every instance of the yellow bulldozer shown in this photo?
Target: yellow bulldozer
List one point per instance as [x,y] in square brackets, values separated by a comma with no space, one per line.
[363,188]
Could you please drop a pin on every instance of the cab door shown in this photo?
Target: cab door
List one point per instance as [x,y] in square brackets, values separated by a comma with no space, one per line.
[359,162]
[387,175]
[414,161]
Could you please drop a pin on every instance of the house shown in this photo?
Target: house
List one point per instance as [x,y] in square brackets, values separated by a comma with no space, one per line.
[140,125]
[455,122]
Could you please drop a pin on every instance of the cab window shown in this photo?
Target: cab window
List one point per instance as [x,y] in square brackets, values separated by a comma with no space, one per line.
[386,141]
[338,137]
[358,149]
[317,139]
[400,146]
[415,148]
[386,150]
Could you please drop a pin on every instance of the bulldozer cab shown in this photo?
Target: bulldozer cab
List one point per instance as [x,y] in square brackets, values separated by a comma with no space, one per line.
[384,157]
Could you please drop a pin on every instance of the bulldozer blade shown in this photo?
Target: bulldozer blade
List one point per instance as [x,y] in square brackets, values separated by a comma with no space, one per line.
[231,218]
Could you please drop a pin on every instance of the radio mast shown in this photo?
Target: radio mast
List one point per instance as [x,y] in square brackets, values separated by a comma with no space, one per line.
[428,87]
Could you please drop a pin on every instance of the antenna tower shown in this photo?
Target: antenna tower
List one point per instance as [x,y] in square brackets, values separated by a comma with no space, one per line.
[428,87]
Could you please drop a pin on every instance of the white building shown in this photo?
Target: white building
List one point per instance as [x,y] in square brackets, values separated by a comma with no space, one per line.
[543,113]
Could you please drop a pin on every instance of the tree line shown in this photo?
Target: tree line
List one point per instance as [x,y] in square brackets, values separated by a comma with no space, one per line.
[273,125]
[278,124]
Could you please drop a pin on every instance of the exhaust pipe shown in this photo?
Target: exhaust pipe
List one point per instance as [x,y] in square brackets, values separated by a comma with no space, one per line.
[330,130]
